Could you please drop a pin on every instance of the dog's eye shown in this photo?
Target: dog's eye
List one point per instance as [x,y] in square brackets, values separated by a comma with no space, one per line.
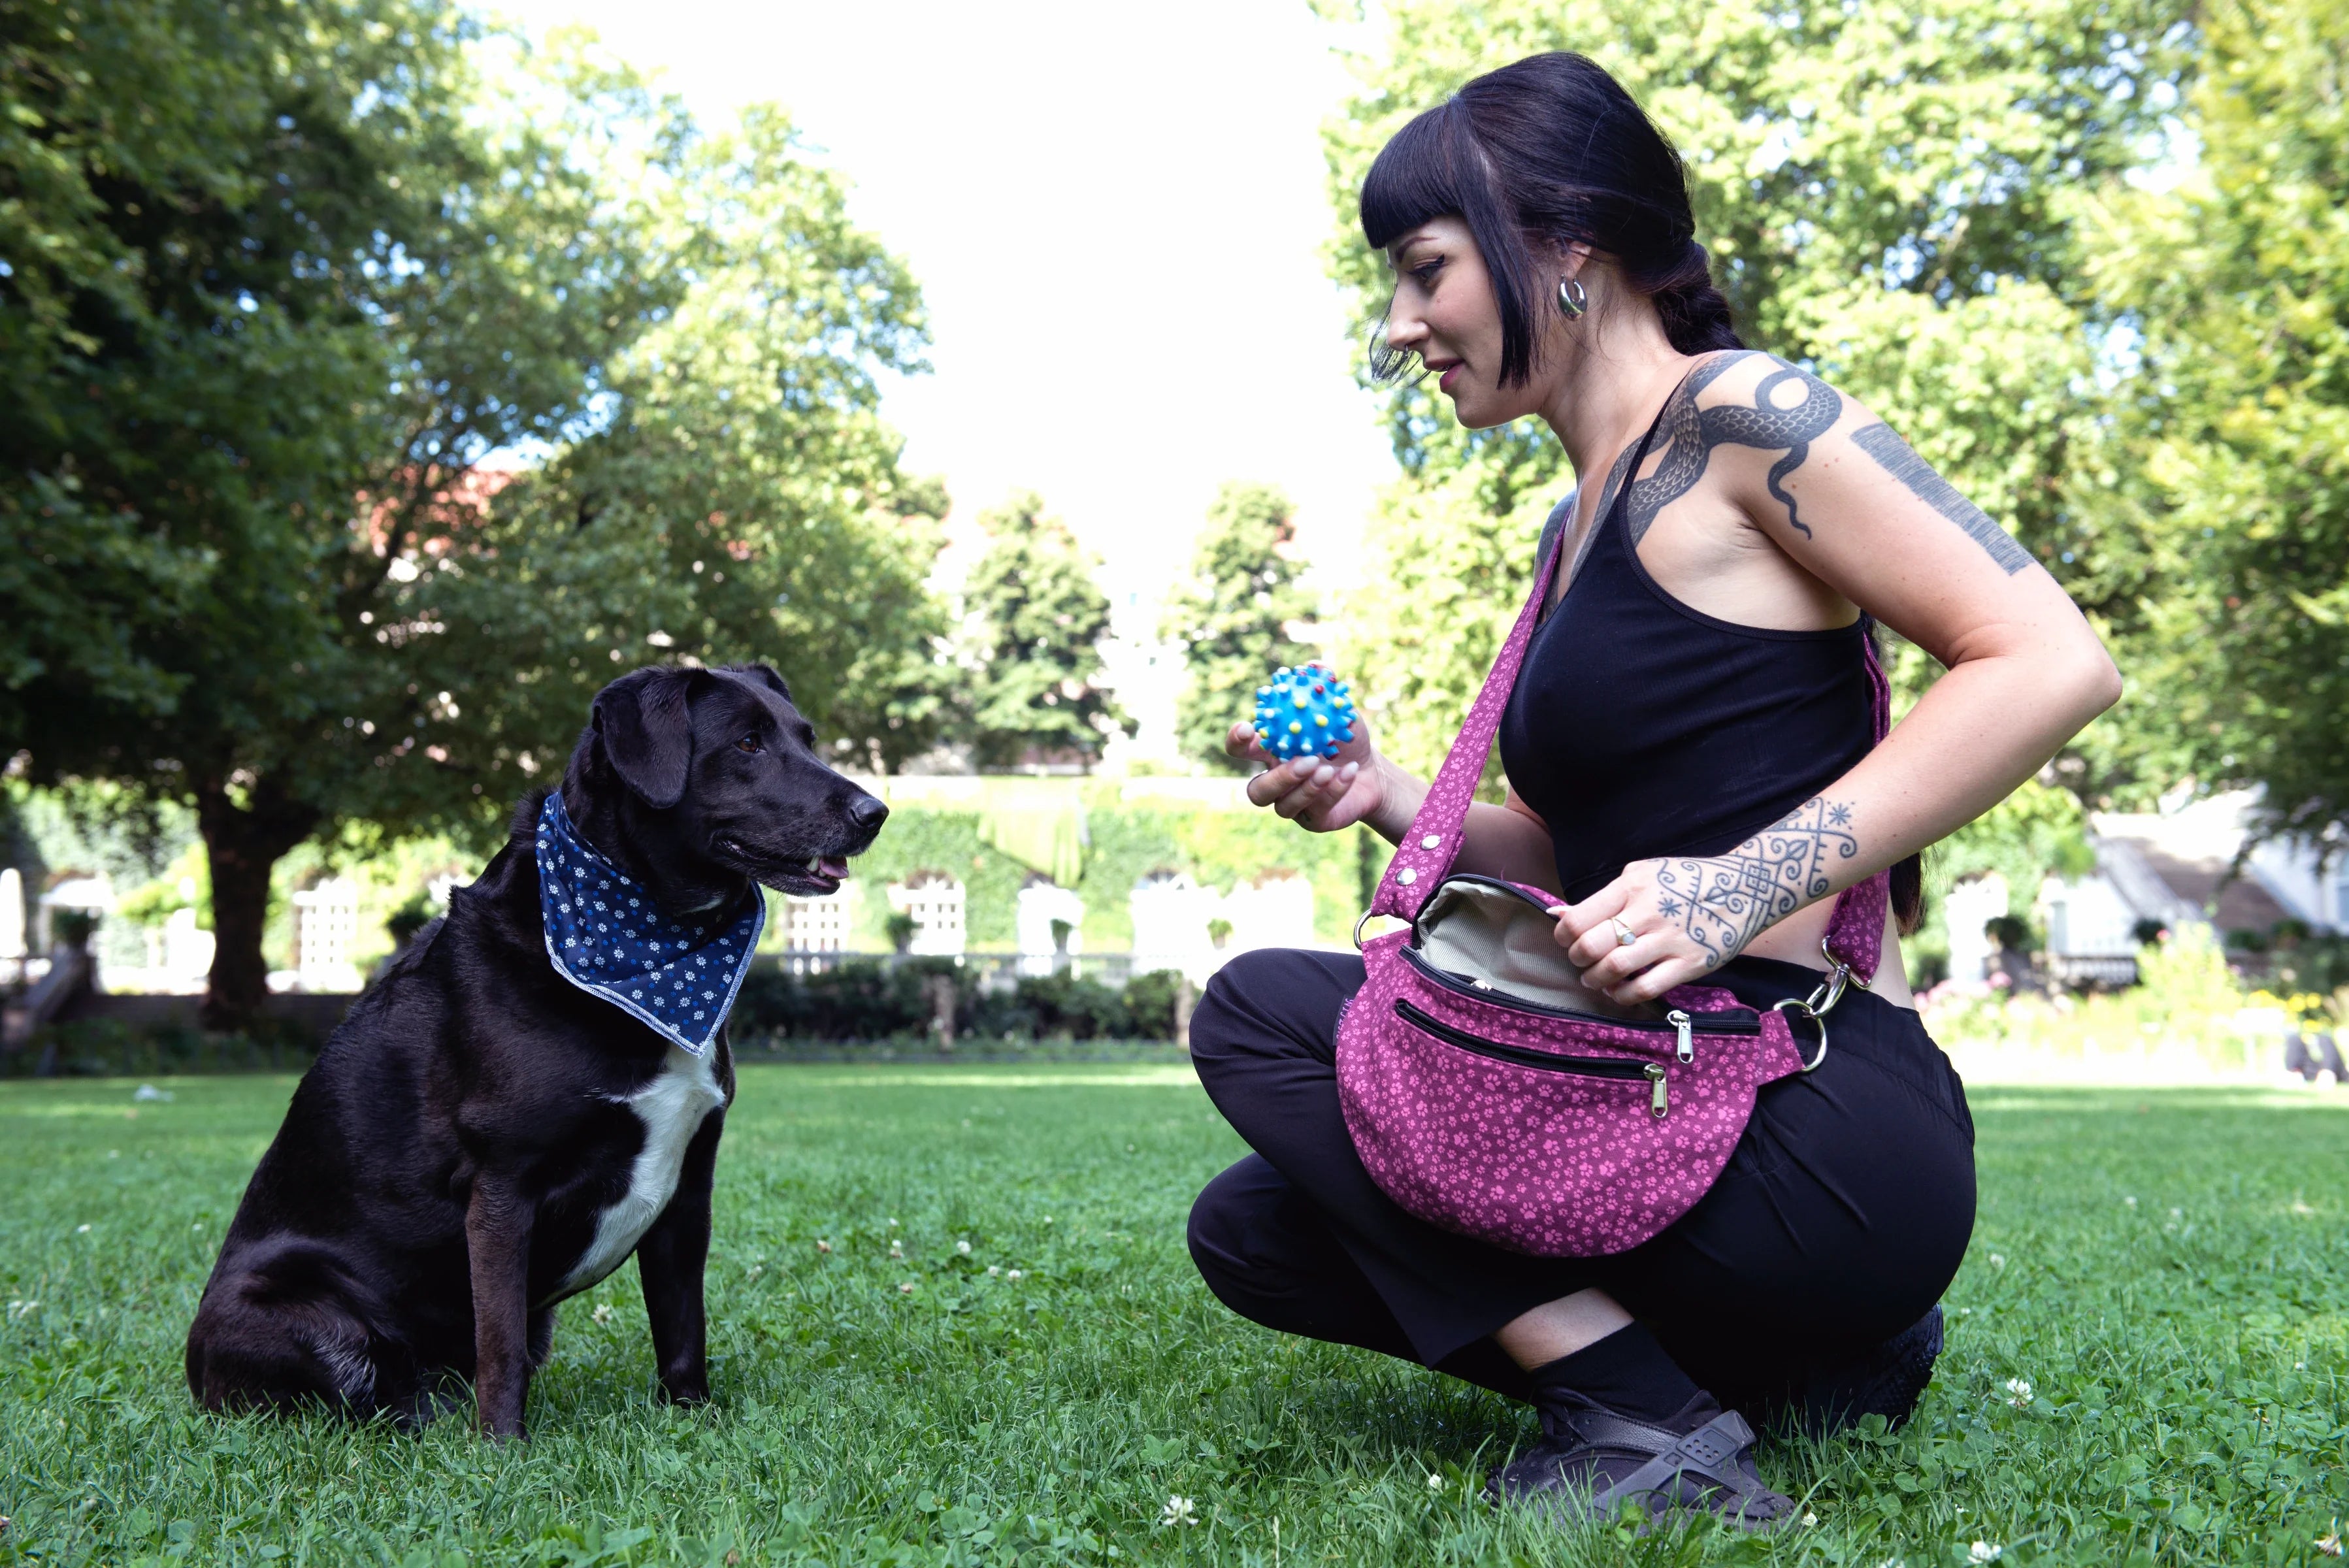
[751,745]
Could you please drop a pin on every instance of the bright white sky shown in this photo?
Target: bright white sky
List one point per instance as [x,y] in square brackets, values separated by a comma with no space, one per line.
[1116,213]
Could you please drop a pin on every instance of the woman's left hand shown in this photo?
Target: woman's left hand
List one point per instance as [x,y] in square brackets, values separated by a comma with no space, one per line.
[1687,916]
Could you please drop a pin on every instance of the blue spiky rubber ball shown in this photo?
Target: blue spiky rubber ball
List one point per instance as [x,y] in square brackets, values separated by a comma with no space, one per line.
[1304,712]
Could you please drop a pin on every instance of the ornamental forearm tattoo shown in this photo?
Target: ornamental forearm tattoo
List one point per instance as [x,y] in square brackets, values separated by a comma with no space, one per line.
[1723,902]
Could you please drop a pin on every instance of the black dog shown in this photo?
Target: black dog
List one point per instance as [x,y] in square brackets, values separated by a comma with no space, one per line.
[481,1139]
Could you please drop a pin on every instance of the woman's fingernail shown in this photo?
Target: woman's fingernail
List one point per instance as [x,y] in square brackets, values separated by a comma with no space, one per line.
[1555,911]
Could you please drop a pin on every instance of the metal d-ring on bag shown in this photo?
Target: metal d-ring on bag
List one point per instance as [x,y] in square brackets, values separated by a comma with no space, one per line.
[1489,1092]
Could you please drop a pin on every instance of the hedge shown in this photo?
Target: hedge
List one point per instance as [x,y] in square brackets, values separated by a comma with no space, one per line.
[1216,848]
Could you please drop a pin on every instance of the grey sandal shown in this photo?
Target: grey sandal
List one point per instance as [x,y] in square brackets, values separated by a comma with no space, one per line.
[1591,1461]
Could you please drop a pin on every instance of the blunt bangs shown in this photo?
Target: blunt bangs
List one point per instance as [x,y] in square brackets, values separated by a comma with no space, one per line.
[1412,181]
[1435,167]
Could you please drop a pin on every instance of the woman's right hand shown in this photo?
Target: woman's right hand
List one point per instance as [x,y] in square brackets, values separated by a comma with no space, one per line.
[1321,794]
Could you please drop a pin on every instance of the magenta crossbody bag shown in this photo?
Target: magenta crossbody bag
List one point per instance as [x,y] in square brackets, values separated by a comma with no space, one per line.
[1489,1092]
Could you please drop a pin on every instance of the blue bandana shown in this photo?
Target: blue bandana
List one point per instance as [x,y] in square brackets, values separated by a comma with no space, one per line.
[607,937]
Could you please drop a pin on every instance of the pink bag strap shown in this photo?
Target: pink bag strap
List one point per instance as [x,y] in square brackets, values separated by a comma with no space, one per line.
[1433,843]
[1854,937]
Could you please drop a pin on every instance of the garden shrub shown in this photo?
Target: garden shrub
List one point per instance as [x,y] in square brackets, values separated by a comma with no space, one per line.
[860,999]
[2187,1001]
[869,1000]
[1150,1002]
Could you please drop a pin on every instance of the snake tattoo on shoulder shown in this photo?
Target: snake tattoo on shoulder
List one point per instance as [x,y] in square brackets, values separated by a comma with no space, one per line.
[1766,424]
[1778,420]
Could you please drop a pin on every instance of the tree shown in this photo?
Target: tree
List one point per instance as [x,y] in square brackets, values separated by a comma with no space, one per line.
[1037,618]
[1232,615]
[394,271]
[2238,416]
[345,284]
[1884,189]
[742,502]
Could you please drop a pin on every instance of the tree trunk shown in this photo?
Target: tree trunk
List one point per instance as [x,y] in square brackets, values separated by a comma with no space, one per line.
[243,843]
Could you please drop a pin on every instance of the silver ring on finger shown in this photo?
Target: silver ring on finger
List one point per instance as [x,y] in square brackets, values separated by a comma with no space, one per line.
[1624,935]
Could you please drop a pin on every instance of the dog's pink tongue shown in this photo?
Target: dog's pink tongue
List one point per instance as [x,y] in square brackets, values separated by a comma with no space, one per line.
[832,867]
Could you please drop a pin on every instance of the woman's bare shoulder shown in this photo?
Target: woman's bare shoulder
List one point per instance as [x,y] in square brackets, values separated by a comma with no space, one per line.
[1735,405]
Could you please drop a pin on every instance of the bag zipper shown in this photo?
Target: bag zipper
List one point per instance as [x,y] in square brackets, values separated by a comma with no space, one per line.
[1739,1021]
[1659,1100]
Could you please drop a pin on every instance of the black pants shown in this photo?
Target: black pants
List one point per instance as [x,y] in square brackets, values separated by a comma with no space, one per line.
[1840,1218]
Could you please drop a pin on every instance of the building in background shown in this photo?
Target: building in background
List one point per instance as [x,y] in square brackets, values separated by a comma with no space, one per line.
[2183,867]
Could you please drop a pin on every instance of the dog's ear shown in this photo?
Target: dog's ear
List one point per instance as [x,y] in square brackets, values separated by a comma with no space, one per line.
[765,675]
[648,730]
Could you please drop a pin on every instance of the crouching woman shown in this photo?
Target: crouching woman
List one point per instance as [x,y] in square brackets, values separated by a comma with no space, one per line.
[1694,771]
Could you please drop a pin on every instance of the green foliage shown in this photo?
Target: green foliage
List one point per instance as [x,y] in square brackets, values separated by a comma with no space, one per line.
[185,883]
[865,1001]
[1151,1003]
[2010,934]
[1040,616]
[1232,615]
[2307,965]
[379,279]
[340,254]
[927,839]
[2038,832]
[319,310]
[742,502]
[1130,841]
[2187,1006]
[198,220]
[2238,413]
[1446,579]
[1886,190]
[2188,1358]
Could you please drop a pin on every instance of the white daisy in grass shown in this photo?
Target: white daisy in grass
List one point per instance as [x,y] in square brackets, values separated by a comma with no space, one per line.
[1178,1510]
[603,1313]
[2018,1392]
[1983,1552]
[1013,1274]
[962,1248]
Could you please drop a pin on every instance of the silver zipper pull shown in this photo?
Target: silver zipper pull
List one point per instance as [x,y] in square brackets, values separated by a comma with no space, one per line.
[1686,1049]
[1660,1102]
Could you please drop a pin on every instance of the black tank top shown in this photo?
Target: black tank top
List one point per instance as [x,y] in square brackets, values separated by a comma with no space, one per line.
[1641,727]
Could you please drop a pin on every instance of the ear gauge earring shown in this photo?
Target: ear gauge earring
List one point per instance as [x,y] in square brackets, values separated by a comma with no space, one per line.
[1571,299]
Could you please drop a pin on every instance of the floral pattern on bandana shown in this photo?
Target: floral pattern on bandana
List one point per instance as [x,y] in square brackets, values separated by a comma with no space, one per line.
[605,936]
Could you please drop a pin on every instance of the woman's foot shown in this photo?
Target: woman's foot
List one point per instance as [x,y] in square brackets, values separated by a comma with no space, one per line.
[1591,1461]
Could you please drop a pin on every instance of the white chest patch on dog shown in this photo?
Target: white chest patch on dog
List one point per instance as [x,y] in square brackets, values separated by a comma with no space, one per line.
[672,1107]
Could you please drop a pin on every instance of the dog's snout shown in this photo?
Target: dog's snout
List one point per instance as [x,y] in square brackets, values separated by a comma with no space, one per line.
[867,814]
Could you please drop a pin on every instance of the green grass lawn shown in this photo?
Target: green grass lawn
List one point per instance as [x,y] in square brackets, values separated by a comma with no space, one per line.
[2164,1269]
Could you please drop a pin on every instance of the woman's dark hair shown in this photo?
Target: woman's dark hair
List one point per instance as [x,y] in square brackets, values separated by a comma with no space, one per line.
[1544,154]
[1535,157]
